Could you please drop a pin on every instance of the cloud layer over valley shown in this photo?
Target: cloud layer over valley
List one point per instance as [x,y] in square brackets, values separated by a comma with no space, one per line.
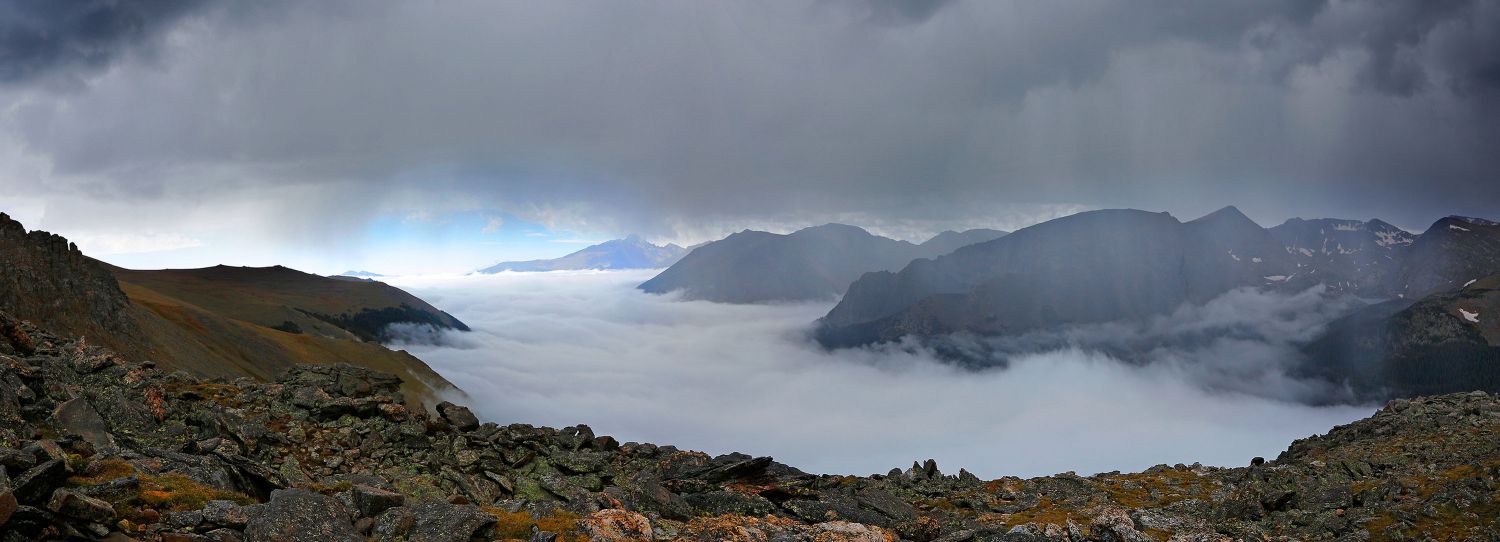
[564,348]
[1244,341]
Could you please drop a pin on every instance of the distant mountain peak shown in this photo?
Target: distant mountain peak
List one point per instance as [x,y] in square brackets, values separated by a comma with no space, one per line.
[817,262]
[1476,221]
[1455,223]
[632,252]
[834,228]
[949,240]
[1227,215]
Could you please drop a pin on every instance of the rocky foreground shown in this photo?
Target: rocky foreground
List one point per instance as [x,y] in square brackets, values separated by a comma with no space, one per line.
[97,447]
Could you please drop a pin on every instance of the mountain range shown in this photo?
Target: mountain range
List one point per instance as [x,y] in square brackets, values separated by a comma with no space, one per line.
[1111,265]
[810,264]
[1090,267]
[1362,257]
[629,253]
[134,421]
[218,321]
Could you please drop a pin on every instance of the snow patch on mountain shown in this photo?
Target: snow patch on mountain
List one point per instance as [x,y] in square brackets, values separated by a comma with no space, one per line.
[1391,238]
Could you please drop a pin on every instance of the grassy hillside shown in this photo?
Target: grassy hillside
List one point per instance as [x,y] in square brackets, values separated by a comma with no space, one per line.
[257,321]
[293,300]
[217,321]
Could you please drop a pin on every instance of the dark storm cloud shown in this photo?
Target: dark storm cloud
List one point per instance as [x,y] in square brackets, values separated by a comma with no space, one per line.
[902,11]
[42,37]
[683,119]
[1411,45]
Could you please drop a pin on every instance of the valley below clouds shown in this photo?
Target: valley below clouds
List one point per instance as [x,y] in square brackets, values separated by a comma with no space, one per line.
[563,348]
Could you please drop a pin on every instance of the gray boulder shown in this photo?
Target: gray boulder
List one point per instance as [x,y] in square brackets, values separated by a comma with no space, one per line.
[460,417]
[37,483]
[438,521]
[78,417]
[78,506]
[8,501]
[371,501]
[299,514]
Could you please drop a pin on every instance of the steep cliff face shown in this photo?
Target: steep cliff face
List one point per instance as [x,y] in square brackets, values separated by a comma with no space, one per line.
[45,278]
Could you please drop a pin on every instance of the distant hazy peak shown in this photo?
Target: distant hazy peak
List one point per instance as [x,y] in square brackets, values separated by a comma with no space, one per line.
[1133,216]
[834,229]
[1460,223]
[632,252]
[1476,221]
[753,266]
[1227,215]
[949,241]
[1341,224]
[966,233]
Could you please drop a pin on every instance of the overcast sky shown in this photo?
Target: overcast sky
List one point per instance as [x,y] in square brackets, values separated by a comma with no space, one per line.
[359,133]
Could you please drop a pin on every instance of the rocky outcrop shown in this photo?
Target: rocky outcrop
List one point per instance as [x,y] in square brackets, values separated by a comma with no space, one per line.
[329,453]
[47,279]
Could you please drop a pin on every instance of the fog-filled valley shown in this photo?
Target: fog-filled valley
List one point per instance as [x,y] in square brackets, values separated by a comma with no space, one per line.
[790,271]
[562,348]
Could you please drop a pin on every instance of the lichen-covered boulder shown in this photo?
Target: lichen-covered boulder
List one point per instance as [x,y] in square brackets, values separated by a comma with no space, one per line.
[369,501]
[299,514]
[437,521]
[75,505]
[843,531]
[460,417]
[342,379]
[615,525]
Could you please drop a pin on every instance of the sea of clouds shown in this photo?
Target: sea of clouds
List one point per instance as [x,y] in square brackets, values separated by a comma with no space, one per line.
[1204,385]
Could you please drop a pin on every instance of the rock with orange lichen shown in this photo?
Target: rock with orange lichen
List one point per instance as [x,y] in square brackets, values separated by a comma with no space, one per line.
[616,526]
[738,528]
[843,531]
[773,528]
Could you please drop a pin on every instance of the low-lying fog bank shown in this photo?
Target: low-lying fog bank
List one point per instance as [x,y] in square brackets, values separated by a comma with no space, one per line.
[563,348]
